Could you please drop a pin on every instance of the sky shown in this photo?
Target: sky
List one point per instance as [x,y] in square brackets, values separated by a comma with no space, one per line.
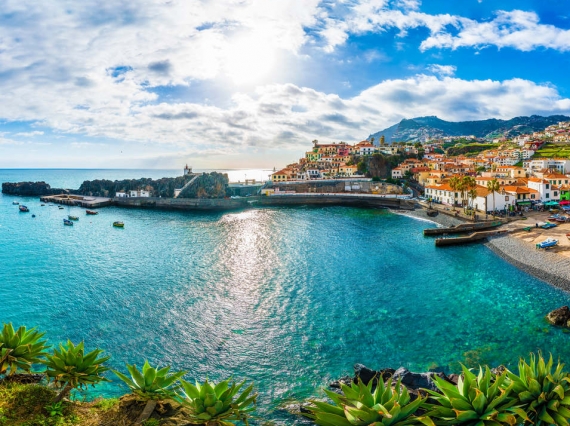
[250,83]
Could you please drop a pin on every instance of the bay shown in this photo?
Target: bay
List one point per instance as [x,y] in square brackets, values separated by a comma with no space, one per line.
[289,298]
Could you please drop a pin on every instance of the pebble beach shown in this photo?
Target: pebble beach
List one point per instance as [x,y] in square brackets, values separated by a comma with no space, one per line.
[519,248]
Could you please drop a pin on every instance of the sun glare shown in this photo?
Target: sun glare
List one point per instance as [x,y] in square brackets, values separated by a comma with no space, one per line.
[249,60]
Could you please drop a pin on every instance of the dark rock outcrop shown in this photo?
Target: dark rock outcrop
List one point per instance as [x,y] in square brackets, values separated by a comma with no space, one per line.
[560,317]
[30,189]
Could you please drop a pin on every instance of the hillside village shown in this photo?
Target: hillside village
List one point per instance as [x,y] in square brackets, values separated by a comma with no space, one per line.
[502,174]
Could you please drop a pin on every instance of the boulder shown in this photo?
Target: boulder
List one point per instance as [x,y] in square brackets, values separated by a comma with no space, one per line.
[417,380]
[560,317]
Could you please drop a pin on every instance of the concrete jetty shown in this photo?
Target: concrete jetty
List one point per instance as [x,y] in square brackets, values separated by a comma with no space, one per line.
[78,200]
[474,237]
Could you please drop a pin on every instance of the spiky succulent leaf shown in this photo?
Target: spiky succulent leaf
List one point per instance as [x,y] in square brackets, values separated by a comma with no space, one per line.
[70,366]
[388,405]
[151,383]
[478,399]
[20,349]
[542,393]
[217,405]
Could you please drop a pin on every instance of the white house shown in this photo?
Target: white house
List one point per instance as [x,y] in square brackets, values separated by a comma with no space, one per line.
[443,194]
[140,193]
[120,194]
[484,200]
[545,189]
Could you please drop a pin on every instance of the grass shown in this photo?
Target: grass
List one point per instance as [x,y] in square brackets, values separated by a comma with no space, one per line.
[32,405]
[551,150]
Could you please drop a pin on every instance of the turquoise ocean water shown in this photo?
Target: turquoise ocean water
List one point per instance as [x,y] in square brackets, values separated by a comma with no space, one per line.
[290,298]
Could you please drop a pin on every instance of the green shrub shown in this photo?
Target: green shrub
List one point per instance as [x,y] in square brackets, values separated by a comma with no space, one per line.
[387,406]
[69,367]
[218,405]
[20,349]
[544,394]
[151,383]
[481,400]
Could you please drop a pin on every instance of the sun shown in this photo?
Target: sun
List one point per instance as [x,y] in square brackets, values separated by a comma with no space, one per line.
[249,60]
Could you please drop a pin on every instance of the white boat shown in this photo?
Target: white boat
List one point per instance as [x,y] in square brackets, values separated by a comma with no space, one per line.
[549,242]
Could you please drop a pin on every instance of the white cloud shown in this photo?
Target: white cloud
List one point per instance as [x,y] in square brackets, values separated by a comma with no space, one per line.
[516,29]
[30,134]
[442,70]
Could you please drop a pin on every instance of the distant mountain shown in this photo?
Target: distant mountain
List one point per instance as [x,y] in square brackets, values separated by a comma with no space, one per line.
[421,129]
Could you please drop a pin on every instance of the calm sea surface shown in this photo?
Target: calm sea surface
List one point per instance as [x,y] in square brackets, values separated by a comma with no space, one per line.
[290,298]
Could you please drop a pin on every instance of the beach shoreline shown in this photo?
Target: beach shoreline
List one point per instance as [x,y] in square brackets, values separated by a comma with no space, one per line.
[549,266]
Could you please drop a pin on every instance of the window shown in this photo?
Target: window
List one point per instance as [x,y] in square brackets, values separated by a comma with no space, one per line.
[547,195]
[507,198]
[547,186]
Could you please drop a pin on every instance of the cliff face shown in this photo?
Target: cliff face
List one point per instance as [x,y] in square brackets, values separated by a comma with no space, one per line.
[30,189]
[207,185]
[158,188]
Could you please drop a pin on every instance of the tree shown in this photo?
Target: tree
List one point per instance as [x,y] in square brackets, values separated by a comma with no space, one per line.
[454,184]
[468,184]
[493,186]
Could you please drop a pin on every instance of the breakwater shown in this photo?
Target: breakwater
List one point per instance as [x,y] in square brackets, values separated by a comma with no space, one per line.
[215,204]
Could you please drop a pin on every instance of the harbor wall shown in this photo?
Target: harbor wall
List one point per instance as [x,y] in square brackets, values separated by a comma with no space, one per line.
[335,200]
[181,203]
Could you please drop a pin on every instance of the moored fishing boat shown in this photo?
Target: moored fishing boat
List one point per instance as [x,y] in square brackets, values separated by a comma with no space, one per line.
[118,224]
[91,212]
[73,217]
[24,209]
[549,242]
[67,222]
[15,203]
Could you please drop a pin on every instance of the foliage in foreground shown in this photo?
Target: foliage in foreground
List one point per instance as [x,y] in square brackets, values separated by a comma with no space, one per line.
[476,400]
[218,405]
[70,368]
[543,393]
[20,349]
[152,383]
[386,406]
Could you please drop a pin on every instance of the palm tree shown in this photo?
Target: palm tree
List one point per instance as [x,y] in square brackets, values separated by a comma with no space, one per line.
[493,186]
[454,183]
[468,184]
[473,195]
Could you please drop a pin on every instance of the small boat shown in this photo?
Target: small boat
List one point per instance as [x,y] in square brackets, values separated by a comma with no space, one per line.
[549,225]
[73,217]
[432,213]
[568,235]
[118,224]
[91,212]
[67,222]
[42,205]
[15,203]
[24,209]
[33,215]
[60,207]
[549,242]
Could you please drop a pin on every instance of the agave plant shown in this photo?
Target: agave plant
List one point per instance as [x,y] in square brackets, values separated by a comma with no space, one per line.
[217,405]
[151,383]
[69,367]
[20,349]
[476,400]
[543,393]
[386,406]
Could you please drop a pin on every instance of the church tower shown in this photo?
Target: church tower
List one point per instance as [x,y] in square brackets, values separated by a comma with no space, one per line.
[187,170]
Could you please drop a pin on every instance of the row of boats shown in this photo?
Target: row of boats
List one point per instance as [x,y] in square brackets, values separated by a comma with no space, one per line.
[70,218]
